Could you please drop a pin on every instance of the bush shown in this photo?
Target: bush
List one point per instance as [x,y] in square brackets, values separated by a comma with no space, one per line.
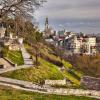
[57,63]
[89,65]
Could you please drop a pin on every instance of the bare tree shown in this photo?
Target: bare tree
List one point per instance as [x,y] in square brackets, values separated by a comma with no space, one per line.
[19,7]
[35,39]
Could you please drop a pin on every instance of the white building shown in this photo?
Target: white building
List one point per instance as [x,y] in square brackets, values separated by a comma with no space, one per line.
[84,45]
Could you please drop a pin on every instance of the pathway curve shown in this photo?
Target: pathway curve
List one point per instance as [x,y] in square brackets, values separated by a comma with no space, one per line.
[15,68]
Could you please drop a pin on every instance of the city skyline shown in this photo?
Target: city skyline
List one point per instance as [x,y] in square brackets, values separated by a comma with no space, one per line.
[77,15]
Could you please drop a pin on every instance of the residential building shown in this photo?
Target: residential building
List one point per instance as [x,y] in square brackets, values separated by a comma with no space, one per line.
[81,44]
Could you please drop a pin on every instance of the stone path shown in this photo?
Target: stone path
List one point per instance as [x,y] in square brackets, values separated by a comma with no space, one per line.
[26,56]
[14,68]
[29,86]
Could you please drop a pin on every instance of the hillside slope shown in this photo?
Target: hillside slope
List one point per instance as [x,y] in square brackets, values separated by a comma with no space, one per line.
[48,69]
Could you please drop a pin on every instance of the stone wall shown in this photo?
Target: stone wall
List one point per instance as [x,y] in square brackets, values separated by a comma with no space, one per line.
[91,83]
[55,82]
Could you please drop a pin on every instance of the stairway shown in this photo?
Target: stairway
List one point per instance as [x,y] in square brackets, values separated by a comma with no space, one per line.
[26,56]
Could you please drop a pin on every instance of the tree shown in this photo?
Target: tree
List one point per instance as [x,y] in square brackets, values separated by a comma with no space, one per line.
[35,39]
[19,7]
[20,11]
[60,52]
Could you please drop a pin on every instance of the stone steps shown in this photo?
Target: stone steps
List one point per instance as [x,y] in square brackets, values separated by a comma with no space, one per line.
[26,56]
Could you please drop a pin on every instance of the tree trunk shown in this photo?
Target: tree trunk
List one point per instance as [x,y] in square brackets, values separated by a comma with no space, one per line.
[1,20]
[36,56]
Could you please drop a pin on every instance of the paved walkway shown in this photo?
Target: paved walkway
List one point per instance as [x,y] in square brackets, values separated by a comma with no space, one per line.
[23,84]
[26,56]
[14,68]
[29,86]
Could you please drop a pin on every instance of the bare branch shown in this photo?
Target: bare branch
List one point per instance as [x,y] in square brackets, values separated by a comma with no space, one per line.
[20,7]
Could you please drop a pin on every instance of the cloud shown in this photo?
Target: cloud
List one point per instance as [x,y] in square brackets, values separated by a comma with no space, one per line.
[71,9]
[72,13]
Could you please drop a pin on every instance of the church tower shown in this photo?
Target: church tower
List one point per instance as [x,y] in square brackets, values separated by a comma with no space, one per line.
[46,23]
[47,31]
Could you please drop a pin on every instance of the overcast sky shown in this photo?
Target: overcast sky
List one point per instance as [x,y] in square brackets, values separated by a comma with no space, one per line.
[73,15]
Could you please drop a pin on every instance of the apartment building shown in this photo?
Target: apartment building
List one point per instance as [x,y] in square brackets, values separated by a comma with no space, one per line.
[83,45]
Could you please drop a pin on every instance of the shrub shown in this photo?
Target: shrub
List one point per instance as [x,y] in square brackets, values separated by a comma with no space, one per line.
[55,62]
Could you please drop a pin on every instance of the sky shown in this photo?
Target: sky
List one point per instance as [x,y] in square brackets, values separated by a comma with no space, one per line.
[72,15]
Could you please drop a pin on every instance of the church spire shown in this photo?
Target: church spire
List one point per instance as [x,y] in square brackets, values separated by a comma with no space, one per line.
[46,23]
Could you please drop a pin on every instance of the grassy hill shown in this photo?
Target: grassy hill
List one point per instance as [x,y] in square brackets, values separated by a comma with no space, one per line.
[13,56]
[7,93]
[47,69]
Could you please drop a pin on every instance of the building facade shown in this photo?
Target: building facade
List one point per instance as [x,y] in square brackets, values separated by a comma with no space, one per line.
[82,45]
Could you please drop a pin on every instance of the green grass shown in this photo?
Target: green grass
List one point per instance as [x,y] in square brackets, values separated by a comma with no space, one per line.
[67,64]
[7,93]
[15,57]
[45,71]
[75,77]
[71,78]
